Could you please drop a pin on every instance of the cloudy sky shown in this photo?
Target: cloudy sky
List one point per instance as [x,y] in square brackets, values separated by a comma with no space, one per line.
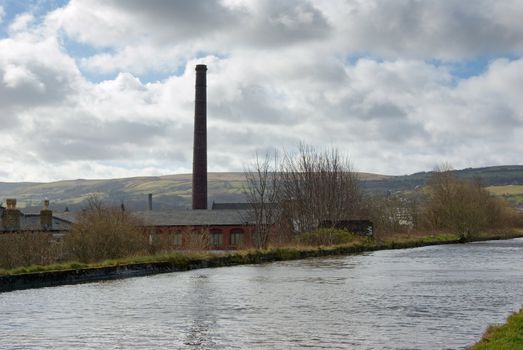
[103,89]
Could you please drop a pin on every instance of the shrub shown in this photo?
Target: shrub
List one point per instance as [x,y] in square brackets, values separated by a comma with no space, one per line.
[462,206]
[25,249]
[326,236]
[105,233]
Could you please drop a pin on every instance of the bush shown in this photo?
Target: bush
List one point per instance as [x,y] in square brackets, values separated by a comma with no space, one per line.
[105,233]
[463,207]
[25,249]
[326,236]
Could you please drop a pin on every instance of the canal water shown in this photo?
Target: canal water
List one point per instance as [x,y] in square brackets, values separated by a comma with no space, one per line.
[439,297]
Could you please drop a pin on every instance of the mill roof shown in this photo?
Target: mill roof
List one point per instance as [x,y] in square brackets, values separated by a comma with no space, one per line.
[196,217]
[230,206]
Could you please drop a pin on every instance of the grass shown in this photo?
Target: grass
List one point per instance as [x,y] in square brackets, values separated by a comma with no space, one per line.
[175,258]
[505,190]
[508,336]
[183,260]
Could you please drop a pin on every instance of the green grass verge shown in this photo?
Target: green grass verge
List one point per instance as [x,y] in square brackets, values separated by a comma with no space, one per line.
[183,260]
[504,337]
[175,258]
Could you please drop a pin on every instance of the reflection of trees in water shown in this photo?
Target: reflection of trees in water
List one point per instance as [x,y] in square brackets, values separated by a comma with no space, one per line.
[202,315]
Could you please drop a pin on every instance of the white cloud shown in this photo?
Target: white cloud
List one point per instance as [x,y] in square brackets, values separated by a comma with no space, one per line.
[159,35]
[15,76]
[427,29]
[278,74]
[21,22]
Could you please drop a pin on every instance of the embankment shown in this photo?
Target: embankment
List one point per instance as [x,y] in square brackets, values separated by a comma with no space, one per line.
[72,273]
[506,336]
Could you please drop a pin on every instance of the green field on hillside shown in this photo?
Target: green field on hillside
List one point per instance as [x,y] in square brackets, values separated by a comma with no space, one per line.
[171,191]
[509,190]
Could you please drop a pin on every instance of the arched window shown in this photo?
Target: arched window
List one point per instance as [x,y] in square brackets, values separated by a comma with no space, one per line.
[216,238]
[237,237]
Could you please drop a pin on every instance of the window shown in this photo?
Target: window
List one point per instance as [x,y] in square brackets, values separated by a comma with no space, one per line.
[176,239]
[236,237]
[216,238]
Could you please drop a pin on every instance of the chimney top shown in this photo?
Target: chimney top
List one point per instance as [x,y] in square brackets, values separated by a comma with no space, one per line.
[11,203]
[201,67]
[46,204]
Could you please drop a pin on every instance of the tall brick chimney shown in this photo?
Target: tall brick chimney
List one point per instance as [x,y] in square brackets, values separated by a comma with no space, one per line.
[199,165]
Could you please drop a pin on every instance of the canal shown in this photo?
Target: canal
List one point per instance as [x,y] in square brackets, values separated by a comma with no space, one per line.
[438,297]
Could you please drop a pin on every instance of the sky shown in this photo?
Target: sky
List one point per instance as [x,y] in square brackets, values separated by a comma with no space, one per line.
[105,88]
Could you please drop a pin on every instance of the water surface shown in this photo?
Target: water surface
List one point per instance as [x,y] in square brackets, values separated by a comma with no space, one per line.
[439,297]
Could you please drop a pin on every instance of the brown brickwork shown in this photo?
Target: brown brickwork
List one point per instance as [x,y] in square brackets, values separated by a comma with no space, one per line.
[199,179]
[11,220]
[226,241]
[46,219]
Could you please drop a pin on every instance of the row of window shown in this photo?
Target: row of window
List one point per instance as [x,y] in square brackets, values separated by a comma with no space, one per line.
[216,238]
[235,237]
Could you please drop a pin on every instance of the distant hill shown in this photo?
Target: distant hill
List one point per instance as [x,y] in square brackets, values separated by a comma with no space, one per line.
[490,176]
[168,191]
[172,191]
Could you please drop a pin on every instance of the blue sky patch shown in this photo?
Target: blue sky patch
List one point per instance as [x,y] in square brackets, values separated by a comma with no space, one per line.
[38,8]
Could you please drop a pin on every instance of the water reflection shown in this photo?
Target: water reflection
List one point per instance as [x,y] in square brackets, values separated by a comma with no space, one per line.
[427,298]
[197,335]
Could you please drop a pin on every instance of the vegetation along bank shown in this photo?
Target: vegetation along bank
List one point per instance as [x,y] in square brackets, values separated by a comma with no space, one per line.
[508,336]
[74,272]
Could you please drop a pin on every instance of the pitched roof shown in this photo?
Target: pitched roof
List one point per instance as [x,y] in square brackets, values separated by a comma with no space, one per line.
[196,217]
[31,222]
[68,216]
[241,205]
[230,206]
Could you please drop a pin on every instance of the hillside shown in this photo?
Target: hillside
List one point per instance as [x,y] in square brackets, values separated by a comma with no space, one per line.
[175,190]
[168,191]
[490,176]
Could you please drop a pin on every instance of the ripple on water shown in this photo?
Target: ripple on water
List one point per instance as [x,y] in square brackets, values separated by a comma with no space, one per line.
[426,298]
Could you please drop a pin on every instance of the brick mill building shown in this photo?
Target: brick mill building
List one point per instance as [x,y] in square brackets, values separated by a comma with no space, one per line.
[226,229]
[229,227]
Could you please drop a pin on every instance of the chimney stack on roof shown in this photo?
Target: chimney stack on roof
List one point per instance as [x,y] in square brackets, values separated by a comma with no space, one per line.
[150,202]
[46,216]
[199,174]
[11,218]
[11,203]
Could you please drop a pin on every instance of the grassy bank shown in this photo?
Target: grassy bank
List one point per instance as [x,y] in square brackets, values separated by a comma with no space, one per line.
[508,336]
[185,260]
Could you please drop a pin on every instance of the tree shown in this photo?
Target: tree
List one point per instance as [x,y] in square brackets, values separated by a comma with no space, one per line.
[393,213]
[318,186]
[261,191]
[301,191]
[102,232]
[462,206]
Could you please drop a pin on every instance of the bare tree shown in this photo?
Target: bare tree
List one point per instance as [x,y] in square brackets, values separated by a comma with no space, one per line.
[318,186]
[301,191]
[462,206]
[394,213]
[261,191]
